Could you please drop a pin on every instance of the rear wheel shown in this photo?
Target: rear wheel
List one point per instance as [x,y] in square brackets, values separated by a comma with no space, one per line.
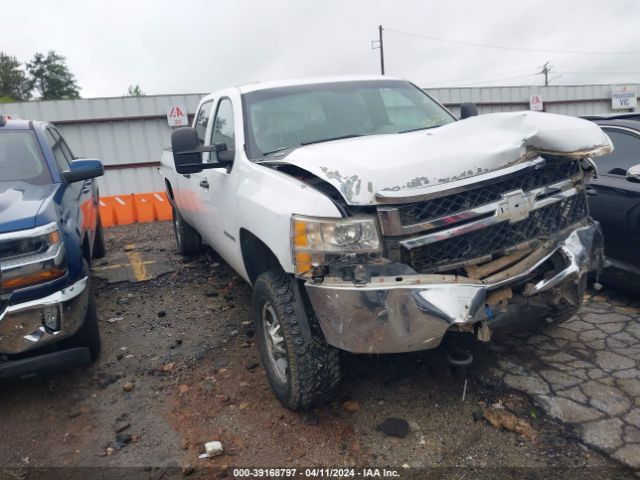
[302,371]
[188,240]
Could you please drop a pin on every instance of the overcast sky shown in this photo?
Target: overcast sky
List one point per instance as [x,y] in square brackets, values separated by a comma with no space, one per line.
[198,46]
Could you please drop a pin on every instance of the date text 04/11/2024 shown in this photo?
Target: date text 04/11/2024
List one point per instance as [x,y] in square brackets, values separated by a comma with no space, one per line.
[315,473]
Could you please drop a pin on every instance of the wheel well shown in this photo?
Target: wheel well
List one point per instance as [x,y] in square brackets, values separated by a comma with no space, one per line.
[169,190]
[257,257]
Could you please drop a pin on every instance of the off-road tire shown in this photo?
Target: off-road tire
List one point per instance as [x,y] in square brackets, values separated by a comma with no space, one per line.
[99,250]
[313,365]
[187,239]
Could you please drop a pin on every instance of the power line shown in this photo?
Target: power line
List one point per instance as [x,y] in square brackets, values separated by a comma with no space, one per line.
[596,67]
[485,78]
[600,72]
[506,78]
[517,49]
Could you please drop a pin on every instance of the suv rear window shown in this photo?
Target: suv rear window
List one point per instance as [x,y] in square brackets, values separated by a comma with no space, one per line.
[21,159]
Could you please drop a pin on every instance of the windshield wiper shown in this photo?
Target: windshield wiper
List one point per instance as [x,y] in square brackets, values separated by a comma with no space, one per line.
[419,128]
[281,149]
[342,137]
[291,147]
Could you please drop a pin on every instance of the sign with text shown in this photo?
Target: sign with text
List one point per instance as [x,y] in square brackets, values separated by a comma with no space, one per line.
[535,103]
[177,116]
[623,97]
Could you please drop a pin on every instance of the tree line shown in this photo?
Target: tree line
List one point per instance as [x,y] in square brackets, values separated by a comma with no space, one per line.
[45,77]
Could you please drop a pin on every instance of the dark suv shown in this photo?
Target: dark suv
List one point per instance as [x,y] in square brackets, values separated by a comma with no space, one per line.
[49,231]
[615,199]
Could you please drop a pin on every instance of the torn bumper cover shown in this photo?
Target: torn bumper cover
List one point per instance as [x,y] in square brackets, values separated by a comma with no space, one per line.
[392,314]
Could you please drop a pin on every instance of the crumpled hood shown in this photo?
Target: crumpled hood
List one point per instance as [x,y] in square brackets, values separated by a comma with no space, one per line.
[361,167]
[20,203]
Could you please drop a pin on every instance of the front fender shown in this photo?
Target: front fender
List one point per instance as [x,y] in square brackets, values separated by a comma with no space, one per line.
[267,199]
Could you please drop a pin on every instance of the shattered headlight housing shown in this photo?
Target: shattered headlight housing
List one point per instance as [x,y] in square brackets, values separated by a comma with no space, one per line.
[30,257]
[315,241]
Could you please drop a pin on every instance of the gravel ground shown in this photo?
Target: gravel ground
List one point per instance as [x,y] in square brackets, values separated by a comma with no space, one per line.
[181,368]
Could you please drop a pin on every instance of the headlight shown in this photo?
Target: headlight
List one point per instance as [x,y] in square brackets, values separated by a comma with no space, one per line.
[29,257]
[313,239]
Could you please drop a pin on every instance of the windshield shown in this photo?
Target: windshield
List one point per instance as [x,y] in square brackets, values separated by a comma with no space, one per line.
[20,158]
[286,117]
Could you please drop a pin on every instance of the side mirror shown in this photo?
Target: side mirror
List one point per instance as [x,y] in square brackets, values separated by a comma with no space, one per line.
[187,152]
[224,154]
[633,174]
[83,169]
[468,109]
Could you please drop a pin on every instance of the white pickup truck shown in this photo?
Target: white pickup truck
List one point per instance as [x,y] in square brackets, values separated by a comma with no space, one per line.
[369,219]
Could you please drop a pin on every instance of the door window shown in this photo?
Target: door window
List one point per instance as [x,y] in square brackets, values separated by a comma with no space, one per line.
[202,120]
[60,151]
[223,131]
[625,155]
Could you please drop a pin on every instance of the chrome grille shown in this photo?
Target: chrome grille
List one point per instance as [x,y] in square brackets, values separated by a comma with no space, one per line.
[495,239]
[485,219]
[526,180]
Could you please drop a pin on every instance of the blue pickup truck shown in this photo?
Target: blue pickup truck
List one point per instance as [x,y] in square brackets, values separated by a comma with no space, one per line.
[49,232]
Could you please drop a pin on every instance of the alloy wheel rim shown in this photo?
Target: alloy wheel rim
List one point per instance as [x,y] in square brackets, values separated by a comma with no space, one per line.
[276,350]
[176,227]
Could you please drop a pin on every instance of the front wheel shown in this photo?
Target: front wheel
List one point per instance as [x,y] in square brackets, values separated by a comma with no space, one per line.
[302,371]
[99,250]
[89,333]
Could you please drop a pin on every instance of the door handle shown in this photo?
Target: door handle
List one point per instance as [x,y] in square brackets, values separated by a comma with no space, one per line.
[187,175]
[204,184]
[86,190]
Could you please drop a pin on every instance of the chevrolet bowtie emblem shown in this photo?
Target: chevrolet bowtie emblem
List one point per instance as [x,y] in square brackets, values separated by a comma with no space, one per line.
[515,206]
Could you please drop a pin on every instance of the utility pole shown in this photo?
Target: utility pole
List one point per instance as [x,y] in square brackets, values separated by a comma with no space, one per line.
[378,44]
[546,70]
[381,51]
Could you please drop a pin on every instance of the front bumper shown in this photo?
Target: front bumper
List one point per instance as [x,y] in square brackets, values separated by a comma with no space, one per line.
[393,314]
[22,326]
[46,363]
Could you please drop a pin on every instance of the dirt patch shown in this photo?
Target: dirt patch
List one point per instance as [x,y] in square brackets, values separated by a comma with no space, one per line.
[180,368]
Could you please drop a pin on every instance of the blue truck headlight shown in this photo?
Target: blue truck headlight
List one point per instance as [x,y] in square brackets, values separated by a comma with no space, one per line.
[30,257]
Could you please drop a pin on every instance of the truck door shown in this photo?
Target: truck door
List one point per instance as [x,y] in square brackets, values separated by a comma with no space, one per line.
[78,206]
[188,192]
[616,204]
[217,187]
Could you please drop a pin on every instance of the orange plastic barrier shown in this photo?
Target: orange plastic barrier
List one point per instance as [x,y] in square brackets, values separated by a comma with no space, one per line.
[107,214]
[143,207]
[162,207]
[136,207]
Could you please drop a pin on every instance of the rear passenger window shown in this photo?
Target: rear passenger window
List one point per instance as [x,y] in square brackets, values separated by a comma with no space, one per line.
[202,120]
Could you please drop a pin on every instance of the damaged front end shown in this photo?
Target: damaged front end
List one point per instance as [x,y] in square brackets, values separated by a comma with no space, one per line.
[509,249]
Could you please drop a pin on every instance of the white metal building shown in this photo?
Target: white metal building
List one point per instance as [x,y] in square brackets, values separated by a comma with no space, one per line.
[129,133]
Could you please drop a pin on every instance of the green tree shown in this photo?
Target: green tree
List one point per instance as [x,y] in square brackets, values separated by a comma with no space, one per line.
[135,91]
[51,77]
[14,84]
